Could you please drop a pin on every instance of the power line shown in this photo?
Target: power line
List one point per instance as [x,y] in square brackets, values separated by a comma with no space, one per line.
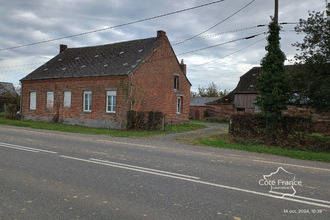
[202,37]
[197,38]
[228,54]
[20,65]
[180,42]
[217,45]
[112,27]
[218,34]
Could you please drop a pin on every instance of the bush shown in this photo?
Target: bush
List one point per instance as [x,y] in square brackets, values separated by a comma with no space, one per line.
[11,111]
[141,120]
[290,132]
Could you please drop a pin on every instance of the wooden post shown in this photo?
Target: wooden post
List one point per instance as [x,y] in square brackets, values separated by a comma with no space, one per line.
[276,12]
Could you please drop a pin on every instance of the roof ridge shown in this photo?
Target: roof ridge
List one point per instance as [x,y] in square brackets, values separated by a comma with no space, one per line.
[119,42]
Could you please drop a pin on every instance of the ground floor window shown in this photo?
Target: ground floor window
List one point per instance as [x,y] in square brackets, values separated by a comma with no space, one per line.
[50,99]
[33,100]
[87,101]
[67,99]
[111,101]
[179,105]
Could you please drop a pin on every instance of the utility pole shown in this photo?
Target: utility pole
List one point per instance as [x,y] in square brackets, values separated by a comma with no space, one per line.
[276,12]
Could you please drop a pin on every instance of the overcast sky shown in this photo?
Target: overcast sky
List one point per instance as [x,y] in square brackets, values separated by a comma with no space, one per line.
[25,22]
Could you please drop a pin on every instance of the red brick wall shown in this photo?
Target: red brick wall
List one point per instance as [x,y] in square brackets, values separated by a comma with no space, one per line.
[153,85]
[75,113]
[225,111]
[197,112]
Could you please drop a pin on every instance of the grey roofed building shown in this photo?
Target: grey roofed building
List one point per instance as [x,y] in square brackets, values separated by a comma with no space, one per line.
[6,87]
[201,101]
[104,60]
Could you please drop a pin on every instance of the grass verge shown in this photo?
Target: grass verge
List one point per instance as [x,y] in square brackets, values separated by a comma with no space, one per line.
[223,141]
[97,131]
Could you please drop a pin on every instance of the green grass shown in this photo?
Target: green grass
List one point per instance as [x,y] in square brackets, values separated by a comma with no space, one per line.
[97,131]
[222,141]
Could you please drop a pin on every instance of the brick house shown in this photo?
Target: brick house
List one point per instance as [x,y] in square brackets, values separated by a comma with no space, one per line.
[96,86]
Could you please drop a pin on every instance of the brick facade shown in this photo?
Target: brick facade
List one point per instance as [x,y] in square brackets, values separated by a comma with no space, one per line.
[149,87]
[153,85]
[75,114]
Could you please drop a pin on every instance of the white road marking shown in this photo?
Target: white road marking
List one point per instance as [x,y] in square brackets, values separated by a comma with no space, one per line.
[294,198]
[320,203]
[144,168]
[293,165]
[130,167]
[127,143]
[302,197]
[30,149]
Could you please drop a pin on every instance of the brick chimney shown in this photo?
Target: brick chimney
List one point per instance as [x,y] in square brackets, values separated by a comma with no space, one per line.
[63,47]
[161,35]
[183,67]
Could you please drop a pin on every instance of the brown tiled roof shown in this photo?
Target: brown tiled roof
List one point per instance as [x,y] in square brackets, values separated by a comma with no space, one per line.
[228,99]
[104,60]
[246,85]
[248,81]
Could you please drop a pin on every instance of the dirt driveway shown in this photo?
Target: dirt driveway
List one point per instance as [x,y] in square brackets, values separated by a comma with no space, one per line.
[188,137]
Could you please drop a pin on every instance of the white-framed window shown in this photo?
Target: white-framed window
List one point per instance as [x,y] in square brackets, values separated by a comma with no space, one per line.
[87,101]
[176,82]
[50,99]
[33,100]
[179,105]
[67,99]
[111,101]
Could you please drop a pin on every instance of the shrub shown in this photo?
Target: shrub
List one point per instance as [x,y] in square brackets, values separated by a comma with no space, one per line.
[141,120]
[11,111]
[290,132]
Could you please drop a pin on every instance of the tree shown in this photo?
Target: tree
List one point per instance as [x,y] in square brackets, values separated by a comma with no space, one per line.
[312,80]
[211,91]
[272,83]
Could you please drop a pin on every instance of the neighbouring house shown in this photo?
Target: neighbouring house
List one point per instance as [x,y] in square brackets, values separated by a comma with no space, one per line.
[198,106]
[7,89]
[242,99]
[7,92]
[96,86]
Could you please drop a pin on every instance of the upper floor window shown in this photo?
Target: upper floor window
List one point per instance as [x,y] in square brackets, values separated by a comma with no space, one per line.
[87,101]
[176,82]
[111,101]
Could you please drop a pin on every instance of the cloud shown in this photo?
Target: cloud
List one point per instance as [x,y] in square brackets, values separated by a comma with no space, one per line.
[24,22]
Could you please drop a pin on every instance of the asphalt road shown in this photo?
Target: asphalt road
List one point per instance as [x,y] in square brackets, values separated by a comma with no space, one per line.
[54,175]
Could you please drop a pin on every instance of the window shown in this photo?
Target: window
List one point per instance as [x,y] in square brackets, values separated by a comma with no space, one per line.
[176,82]
[87,101]
[33,100]
[179,105]
[67,99]
[111,101]
[50,100]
